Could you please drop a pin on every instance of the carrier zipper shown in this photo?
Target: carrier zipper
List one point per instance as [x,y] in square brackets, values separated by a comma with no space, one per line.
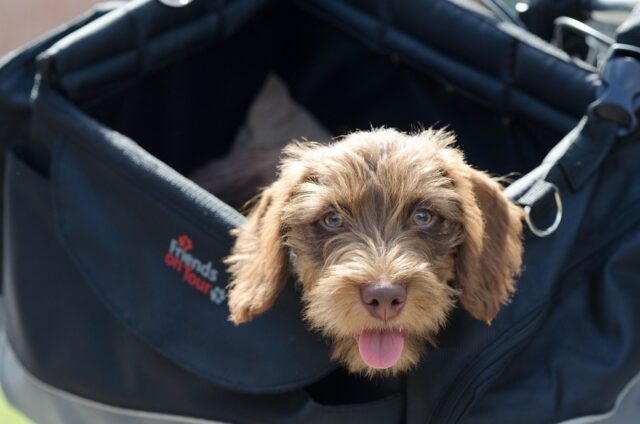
[452,406]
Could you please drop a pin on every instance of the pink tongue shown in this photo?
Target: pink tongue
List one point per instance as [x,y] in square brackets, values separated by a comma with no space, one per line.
[380,350]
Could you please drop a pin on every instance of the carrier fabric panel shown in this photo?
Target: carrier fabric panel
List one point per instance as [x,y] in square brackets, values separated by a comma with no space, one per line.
[138,38]
[498,64]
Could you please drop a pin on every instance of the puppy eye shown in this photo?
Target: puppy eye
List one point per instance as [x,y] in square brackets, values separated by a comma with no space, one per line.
[423,217]
[333,220]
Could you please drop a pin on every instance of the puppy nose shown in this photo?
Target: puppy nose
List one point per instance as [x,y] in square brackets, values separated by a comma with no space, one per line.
[383,301]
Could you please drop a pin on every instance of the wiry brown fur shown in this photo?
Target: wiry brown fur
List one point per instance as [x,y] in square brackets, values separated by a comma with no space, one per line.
[376,180]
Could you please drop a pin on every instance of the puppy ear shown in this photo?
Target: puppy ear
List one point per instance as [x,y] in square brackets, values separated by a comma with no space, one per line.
[259,260]
[491,254]
[258,263]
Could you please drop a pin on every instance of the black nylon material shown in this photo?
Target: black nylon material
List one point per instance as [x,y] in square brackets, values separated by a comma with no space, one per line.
[90,216]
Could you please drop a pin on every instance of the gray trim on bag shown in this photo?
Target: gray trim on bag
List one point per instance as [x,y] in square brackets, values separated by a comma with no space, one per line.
[626,410]
[45,404]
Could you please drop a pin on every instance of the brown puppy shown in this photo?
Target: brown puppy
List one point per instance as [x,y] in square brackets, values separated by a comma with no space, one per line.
[385,232]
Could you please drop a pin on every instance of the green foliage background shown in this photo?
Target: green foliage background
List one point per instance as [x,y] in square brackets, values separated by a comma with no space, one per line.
[9,415]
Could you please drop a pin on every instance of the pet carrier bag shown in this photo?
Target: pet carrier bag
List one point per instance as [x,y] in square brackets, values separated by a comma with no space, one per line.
[101,119]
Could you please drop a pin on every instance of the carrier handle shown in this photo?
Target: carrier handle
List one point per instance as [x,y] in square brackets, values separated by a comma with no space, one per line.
[565,23]
[136,39]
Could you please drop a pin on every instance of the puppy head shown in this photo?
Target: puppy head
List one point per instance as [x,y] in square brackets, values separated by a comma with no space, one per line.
[384,231]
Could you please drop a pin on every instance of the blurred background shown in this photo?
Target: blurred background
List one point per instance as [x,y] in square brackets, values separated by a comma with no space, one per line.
[24,20]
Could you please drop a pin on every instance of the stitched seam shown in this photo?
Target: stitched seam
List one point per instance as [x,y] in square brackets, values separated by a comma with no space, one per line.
[122,174]
[119,169]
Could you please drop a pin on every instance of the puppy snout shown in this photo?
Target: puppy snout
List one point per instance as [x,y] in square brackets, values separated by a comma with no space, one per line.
[383,301]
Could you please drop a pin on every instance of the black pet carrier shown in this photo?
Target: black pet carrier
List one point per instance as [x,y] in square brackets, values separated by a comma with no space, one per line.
[100,121]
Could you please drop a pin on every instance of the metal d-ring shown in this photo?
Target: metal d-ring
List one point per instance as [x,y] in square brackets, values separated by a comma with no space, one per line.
[554,226]
[175,3]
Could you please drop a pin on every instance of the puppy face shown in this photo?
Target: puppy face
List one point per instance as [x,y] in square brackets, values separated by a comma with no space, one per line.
[385,233]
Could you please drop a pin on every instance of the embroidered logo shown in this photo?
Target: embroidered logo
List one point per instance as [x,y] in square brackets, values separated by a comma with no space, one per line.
[195,272]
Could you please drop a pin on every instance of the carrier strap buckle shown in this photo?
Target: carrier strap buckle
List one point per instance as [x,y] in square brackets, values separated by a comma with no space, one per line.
[618,96]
